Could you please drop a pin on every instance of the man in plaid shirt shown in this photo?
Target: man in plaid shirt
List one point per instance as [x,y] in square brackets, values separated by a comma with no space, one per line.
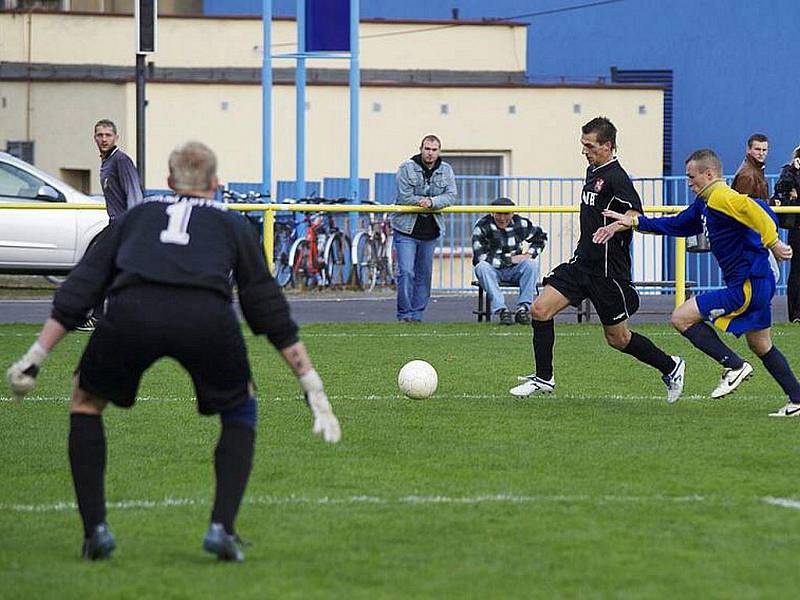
[505,249]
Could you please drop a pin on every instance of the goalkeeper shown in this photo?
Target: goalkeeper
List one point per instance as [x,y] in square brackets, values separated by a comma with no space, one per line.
[167,270]
[742,232]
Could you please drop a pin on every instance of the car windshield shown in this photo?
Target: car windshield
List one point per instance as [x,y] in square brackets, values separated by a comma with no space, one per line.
[16,183]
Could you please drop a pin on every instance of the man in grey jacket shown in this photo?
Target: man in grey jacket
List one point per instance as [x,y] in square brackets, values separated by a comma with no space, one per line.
[427,181]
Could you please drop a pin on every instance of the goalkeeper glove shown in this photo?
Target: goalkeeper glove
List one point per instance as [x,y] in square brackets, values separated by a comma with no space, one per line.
[325,422]
[21,376]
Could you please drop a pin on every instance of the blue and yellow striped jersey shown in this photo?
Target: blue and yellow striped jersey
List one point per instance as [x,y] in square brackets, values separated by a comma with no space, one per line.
[740,230]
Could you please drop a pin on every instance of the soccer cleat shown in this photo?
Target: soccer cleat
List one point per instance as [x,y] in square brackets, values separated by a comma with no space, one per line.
[224,545]
[674,381]
[523,315]
[88,325]
[789,410]
[100,545]
[731,378]
[533,385]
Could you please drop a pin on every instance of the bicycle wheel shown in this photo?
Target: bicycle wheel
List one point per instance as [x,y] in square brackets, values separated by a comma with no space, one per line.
[298,259]
[281,265]
[337,259]
[364,262]
[390,253]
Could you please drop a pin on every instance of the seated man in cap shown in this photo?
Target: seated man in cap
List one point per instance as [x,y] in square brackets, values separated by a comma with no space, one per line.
[505,249]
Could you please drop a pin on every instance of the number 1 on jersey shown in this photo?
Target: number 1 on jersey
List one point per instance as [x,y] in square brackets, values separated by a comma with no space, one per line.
[175,233]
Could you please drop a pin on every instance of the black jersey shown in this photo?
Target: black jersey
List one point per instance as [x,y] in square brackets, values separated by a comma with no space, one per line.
[181,242]
[607,186]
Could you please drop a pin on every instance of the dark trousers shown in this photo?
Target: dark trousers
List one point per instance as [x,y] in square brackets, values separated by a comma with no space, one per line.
[793,284]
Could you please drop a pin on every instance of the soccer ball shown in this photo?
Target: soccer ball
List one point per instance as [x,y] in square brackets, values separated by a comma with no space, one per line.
[418,379]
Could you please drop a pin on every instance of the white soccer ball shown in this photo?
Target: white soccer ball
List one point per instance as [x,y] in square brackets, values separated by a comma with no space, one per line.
[418,379]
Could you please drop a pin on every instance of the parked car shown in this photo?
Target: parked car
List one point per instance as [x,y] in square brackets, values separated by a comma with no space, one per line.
[43,241]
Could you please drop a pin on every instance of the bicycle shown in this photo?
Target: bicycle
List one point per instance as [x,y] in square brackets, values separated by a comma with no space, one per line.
[321,257]
[372,253]
[283,232]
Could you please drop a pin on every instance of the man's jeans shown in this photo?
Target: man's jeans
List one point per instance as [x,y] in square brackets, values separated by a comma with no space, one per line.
[524,274]
[414,271]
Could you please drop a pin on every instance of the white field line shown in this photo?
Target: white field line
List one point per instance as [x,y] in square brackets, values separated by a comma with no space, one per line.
[408,500]
[784,502]
[550,399]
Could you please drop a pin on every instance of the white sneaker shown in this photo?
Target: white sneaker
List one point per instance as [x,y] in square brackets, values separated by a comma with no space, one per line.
[674,380]
[731,378]
[790,410]
[533,385]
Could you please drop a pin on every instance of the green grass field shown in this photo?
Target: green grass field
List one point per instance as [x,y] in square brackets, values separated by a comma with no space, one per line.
[601,490]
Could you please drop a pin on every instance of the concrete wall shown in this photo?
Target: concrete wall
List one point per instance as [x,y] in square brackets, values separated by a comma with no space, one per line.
[539,138]
[219,42]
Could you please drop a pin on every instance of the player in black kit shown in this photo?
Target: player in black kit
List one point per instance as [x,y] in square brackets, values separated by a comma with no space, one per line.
[166,269]
[600,272]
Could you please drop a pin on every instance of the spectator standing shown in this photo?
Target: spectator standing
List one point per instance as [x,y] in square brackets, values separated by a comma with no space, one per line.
[168,267]
[121,186]
[787,191]
[505,249]
[423,180]
[601,273]
[749,178]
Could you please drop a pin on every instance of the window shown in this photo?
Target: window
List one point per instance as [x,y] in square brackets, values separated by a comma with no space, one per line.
[17,184]
[478,183]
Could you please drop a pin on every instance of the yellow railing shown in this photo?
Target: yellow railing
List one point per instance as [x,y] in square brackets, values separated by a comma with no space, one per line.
[269,221]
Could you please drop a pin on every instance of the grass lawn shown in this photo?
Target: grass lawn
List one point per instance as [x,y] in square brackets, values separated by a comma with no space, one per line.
[600,490]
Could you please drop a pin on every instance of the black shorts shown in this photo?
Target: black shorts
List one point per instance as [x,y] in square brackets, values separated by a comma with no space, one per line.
[614,299]
[198,328]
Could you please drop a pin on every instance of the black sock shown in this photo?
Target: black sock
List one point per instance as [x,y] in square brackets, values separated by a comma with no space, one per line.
[544,338]
[705,339]
[233,460]
[775,362]
[641,348]
[87,458]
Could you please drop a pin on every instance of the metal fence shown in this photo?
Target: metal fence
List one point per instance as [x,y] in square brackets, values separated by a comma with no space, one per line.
[653,256]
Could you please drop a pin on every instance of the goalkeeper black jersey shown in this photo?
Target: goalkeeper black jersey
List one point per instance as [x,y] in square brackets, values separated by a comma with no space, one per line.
[183,242]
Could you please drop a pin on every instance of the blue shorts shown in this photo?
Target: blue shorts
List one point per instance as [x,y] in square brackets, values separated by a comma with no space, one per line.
[741,308]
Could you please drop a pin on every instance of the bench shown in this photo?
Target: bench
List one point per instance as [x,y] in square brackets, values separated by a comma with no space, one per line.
[583,311]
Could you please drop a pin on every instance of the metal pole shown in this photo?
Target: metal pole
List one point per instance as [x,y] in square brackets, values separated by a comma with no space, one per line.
[300,99]
[269,238]
[266,99]
[140,119]
[680,271]
[355,83]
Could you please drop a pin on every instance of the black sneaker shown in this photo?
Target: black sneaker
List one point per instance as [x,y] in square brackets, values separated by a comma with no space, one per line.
[224,545]
[100,545]
[523,315]
[505,317]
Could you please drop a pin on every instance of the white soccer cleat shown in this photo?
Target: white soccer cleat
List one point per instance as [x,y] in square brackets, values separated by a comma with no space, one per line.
[533,385]
[731,379]
[674,380]
[790,410]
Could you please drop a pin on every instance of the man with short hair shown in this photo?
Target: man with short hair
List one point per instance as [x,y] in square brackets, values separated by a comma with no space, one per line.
[122,189]
[118,175]
[505,249]
[749,178]
[742,233]
[168,267]
[424,180]
[600,273]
